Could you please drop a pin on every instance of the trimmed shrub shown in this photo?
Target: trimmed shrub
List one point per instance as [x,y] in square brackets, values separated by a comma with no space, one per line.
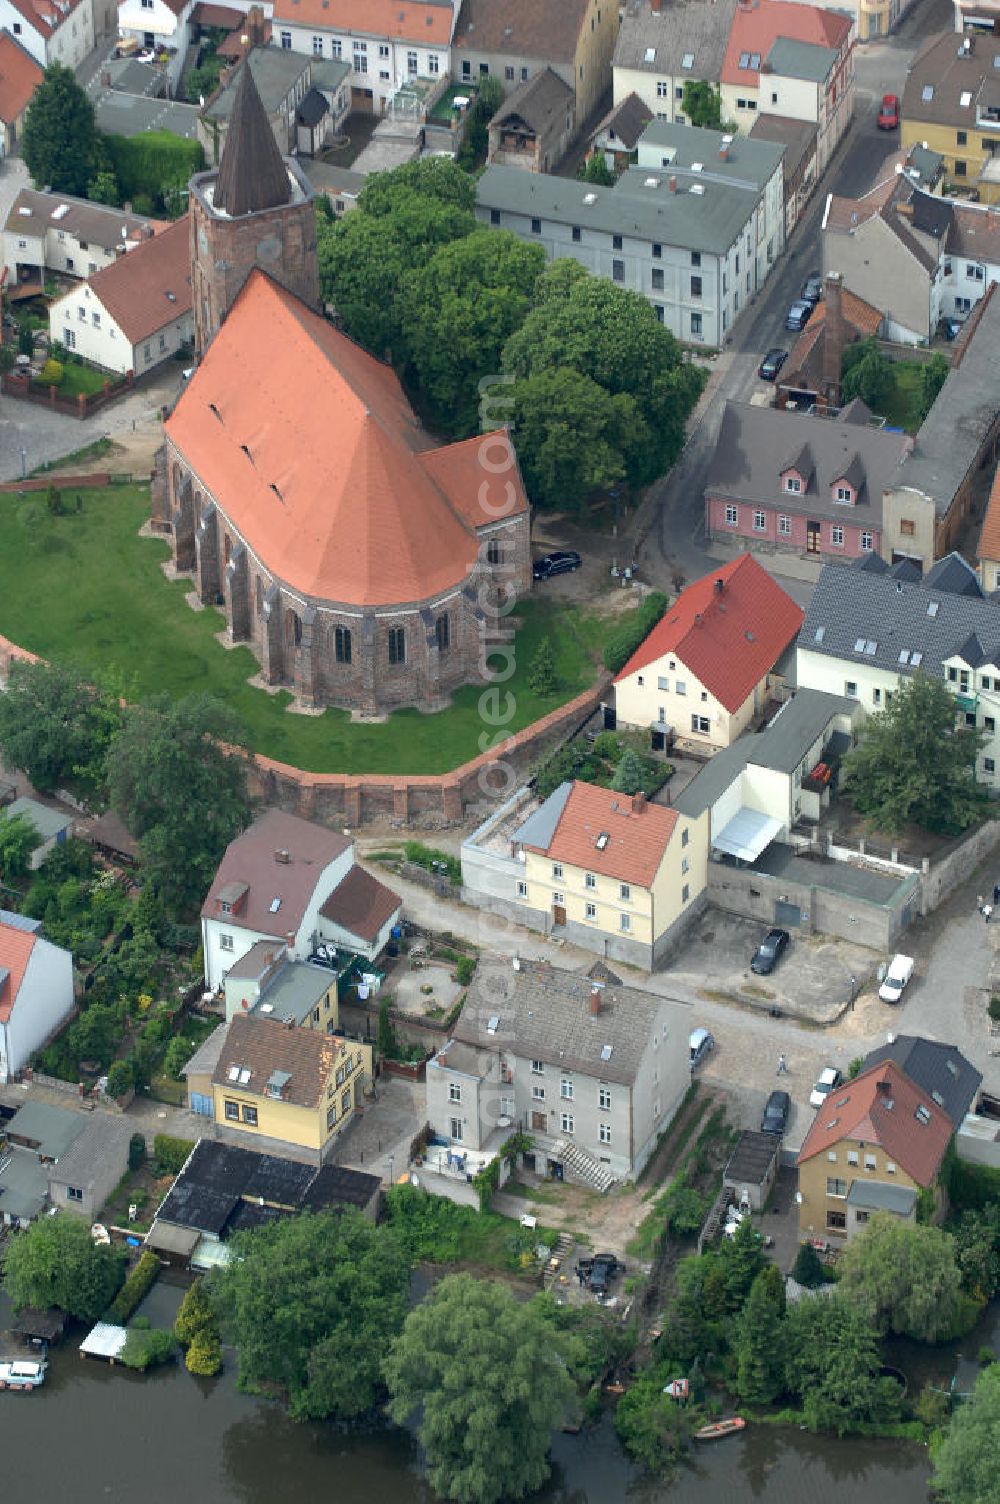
[204,1356]
[171,1153]
[135,1289]
[121,1080]
[145,1349]
[136,1150]
[51,372]
[195,1316]
[147,167]
[464,968]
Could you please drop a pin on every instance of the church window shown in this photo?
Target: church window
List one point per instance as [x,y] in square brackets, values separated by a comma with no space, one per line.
[442,632]
[494,553]
[293,629]
[260,596]
[397,645]
[342,644]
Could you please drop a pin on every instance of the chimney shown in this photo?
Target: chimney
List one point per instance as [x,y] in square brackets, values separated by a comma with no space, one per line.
[672,184]
[833,340]
[638,803]
[254,27]
[720,585]
[654,6]
[697,618]
[282,856]
[595,1001]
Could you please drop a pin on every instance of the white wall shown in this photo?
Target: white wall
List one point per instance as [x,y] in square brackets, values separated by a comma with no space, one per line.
[136,18]
[384,74]
[80,321]
[69,43]
[44,999]
[664,1076]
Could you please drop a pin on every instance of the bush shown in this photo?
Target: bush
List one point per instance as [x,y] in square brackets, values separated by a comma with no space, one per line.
[985,1357]
[148,166]
[136,1150]
[431,859]
[145,1349]
[178,1054]
[171,1153]
[634,629]
[136,1287]
[204,1356]
[121,1079]
[51,373]
[808,1268]
[195,1316]
[464,968]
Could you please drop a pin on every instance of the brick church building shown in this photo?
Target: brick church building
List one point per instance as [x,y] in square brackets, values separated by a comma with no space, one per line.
[358,561]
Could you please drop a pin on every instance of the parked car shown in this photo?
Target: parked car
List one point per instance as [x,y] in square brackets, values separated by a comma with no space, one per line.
[772,364]
[888,112]
[598,1272]
[769,952]
[560,562]
[828,1080]
[899,973]
[775,1119]
[702,1044]
[799,314]
[813,289]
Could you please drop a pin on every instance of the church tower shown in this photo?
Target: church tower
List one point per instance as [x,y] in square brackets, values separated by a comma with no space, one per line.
[254,209]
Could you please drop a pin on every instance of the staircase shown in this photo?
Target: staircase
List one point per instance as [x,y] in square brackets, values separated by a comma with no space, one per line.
[582,1168]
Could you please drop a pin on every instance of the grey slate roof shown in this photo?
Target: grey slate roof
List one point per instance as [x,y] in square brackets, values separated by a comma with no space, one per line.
[276,71]
[756,444]
[252,174]
[681,146]
[131,114]
[47,821]
[537,101]
[699,27]
[544,1014]
[751,1159]
[24,1185]
[798,137]
[709,221]
[950,438]
[877,1196]
[852,606]
[540,826]
[312,109]
[805,60]
[795,728]
[99,1153]
[940,1070]
[712,781]
[625,122]
[206,1057]
[52,1129]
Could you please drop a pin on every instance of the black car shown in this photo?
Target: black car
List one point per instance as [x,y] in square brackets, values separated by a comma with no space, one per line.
[776,1112]
[769,951]
[799,314]
[813,289]
[561,562]
[772,364]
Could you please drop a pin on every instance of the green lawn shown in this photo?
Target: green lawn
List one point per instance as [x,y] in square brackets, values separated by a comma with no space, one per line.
[79,378]
[86,588]
[904,408]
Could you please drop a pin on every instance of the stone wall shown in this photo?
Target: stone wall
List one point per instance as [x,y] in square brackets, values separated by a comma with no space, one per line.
[940,879]
[753,895]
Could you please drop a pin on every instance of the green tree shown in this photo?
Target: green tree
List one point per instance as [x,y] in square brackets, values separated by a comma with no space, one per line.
[832,1363]
[56,726]
[436,178]
[489,97]
[103,188]
[572,439]
[120,1079]
[312,1304]
[386,1043]
[596,170]
[912,766]
[57,1263]
[204,1355]
[759,1344]
[904,1277]
[457,312]
[179,1052]
[967,1463]
[177,774]
[934,376]
[742,1260]
[977,1251]
[542,678]
[868,374]
[488,1374]
[702,104]
[60,137]
[95,1034]
[808,1267]
[630,774]
[18,839]
[147,1349]
[196,1314]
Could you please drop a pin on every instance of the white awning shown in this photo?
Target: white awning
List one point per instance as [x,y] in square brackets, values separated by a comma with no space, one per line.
[747,835]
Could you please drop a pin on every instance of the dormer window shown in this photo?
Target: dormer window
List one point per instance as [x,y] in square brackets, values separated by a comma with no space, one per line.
[844,494]
[792,483]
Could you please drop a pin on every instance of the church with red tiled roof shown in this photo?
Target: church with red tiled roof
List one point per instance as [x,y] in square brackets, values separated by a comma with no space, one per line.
[353,556]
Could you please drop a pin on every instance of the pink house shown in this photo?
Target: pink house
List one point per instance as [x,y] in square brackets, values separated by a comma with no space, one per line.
[796,483]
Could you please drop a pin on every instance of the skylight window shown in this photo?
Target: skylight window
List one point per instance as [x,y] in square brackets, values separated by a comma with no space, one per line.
[938,1098]
[922,1115]
[744,61]
[606,1051]
[650,54]
[859,646]
[275,905]
[965,100]
[819,634]
[904,655]
[933,608]
[916,659]
[494,1024]
[602,840]
[871,648]
[755,59]
[687,61]
[244,1075]
[952,1067]
[927,93]
[234,1073]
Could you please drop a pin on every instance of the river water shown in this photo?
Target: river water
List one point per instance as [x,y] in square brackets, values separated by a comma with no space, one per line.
[95,1434]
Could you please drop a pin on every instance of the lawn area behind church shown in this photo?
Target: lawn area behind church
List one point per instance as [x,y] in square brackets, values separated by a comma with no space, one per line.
[83,587]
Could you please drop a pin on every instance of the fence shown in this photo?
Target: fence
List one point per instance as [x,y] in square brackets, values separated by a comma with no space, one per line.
[83,405]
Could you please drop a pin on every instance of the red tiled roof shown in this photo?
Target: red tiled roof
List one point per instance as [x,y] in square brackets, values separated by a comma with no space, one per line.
[728,639]
[638,833]
[756,27]
[310,448]
[989,537]
[250,861]
[880,1107]
[408,20]
[149,287]
[20,76]
[861,317]
[15,952]
[44,16]
[361,904]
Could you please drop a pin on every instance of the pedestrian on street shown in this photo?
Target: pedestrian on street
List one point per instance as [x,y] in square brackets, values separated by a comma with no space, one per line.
[996,894]
[782,1066]
[986,911]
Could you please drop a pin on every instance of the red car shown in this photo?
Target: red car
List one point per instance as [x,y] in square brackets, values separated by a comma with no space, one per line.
[888,115]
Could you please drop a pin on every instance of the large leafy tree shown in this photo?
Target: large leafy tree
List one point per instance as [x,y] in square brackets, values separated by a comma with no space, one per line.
[435,178]
[912,766]
[572,439]
[177,775]
[867,373]
[967,1463]
[488,1374]
[702,103]
[18,839]
[904,1276]
[760,1340]
[56,726]
[57,1263]
[60,137]
[832,1362]
[312,1304]
[457,312]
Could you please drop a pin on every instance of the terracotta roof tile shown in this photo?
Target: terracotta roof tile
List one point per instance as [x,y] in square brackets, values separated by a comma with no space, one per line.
[989,537]
[638,833]
[361,904]
[20,76]
[728,639]
[408,20]
[149,287]
[309,446]
[807,352]
[880,1107]
[544,29]
[263,1046]
[756,28]
[16,947]
[250,862]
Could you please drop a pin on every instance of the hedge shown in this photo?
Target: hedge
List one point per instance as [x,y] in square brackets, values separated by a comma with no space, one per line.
[171,1153]
[155,161]
[634,629]
[135,1289]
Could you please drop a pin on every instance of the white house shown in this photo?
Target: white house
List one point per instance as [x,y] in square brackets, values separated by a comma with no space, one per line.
[55,232]
[288,880]
[134,314]
[36,991]
[53,31]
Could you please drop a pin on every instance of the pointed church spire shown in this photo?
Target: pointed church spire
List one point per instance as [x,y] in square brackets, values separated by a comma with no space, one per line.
[252,175]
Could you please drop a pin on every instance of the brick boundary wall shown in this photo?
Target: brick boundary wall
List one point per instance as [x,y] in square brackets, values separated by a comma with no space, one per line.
[59,482]
[428,799]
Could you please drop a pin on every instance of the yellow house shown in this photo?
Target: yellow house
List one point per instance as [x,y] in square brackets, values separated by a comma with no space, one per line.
[875,1144]
[613,872]
[951,103]
[281,1085]
[701,676]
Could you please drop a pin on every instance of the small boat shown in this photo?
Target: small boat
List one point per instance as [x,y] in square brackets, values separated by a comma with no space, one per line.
[22,1373]
[720,1428]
